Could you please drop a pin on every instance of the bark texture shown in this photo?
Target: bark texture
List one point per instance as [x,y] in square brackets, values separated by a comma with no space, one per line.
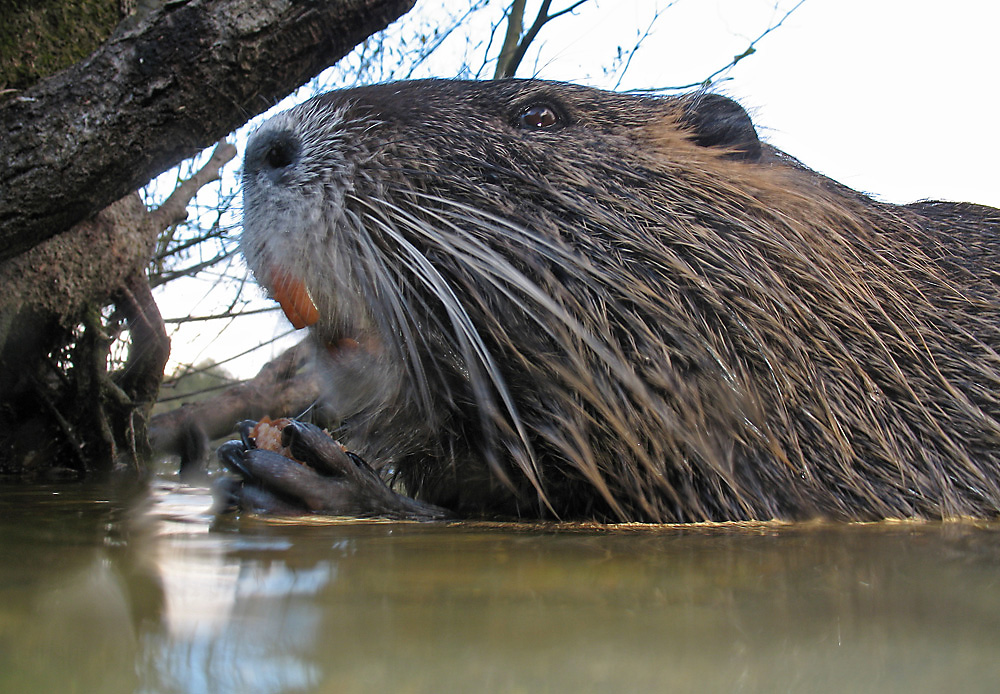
[40,38]
[162,88]
[285,387]
[61,409]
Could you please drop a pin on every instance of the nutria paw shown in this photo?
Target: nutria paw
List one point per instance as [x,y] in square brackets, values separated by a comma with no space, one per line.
[328,480]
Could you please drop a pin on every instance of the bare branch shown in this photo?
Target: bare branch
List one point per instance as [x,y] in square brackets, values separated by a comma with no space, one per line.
[511,40]
[541,19]
[642,38]
[220,316]
[250,350]
[751,49]
[475,7]
[159,91]
[279,389]
[190,271]
[215,232]
[174,209]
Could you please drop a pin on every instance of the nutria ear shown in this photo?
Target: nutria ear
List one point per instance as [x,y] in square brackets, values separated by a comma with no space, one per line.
[716,121]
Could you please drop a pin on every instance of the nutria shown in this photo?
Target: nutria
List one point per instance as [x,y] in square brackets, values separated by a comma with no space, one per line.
[544,300]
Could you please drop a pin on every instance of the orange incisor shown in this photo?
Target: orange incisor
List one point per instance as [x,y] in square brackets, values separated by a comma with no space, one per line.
[292,295]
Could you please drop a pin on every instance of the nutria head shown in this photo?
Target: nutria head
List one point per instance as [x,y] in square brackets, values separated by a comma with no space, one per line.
[544,298]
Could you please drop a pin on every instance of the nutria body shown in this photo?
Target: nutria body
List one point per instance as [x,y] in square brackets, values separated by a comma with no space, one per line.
[545,300]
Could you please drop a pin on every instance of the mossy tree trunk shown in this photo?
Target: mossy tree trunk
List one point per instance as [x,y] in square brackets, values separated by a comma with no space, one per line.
[75,240]
[158,91]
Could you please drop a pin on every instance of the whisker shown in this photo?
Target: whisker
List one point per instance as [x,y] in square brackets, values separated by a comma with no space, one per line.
[470,342]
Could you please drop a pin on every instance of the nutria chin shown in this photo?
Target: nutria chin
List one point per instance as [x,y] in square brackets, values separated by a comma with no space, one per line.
[544,300]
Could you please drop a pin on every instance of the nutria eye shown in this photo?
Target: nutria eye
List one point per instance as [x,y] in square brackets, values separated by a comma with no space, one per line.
[537,117]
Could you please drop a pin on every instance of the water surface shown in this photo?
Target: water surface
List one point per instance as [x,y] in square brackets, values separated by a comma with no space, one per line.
[106,589]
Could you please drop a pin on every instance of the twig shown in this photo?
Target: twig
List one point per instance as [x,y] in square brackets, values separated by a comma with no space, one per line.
[219,316]
[751,49]
[541,19]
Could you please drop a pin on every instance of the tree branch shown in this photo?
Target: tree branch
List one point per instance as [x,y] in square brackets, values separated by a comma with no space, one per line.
[515,23]
[541,20]
[174,208]
[191,271]
[751,49]
[283,388]
[229,315]
[159,91]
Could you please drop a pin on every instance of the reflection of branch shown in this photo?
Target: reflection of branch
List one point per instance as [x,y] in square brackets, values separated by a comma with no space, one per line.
[751,49]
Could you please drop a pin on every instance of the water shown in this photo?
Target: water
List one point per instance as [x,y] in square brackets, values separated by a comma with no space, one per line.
[118,590]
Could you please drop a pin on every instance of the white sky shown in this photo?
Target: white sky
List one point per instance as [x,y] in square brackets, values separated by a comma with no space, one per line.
[896,98]
[899,99]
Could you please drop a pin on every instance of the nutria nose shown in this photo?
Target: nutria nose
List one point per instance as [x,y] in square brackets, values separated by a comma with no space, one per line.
[272,152]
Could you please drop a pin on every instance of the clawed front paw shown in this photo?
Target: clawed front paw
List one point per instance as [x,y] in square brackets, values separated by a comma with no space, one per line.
[292,467]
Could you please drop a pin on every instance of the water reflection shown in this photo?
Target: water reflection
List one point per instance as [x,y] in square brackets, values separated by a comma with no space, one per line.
[74,595]
[108,590]
[236,619]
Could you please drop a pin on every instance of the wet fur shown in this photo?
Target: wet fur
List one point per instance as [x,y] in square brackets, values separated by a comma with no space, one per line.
[644,314]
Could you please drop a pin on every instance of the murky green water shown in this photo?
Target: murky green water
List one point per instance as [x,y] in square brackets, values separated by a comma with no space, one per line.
[112,591]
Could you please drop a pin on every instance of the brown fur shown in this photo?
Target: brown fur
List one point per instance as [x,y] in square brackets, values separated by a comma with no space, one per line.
[642,314]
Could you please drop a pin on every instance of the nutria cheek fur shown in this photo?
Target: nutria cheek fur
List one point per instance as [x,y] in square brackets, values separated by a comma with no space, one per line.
[585,304]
